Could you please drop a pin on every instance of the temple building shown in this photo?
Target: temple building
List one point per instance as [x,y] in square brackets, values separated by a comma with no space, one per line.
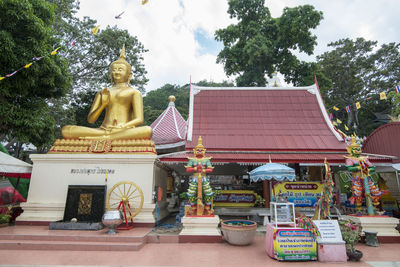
[245,127]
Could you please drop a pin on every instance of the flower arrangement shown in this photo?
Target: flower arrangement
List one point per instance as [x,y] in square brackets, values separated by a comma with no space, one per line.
[351,233]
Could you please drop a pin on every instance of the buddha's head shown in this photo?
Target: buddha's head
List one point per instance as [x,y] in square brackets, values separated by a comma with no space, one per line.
[120,70]
[354,148]
[199,150]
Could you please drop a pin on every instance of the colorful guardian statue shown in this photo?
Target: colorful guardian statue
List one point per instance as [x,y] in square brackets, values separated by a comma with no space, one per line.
[362,184]
[200,193]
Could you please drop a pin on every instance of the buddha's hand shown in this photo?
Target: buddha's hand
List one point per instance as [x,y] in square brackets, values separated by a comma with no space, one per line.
[126,125]
[105,97]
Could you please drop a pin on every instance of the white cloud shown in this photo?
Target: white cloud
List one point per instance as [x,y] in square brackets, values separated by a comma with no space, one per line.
[166,28]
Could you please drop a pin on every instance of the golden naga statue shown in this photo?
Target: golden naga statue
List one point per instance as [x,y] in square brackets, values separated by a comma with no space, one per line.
[123,107]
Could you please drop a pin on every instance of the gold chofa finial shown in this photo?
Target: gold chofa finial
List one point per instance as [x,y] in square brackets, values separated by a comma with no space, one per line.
[123,52]
[171,98]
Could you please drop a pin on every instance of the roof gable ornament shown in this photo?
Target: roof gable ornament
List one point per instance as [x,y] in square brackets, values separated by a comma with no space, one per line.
[312,90]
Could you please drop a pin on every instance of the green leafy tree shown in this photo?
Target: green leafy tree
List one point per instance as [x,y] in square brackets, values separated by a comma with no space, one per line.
[259,44]
[155,102]
[395,99]
[91,55]
[26,33]
[89,59]
[359,71]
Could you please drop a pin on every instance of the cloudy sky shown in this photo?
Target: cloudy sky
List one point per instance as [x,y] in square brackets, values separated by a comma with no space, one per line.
[179,34]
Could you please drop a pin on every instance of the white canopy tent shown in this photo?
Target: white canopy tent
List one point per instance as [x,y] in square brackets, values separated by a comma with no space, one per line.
[9,164]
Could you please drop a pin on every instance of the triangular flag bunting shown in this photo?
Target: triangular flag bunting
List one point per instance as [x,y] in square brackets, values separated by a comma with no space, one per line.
[144,2]
[346,128]
[28,65]
[334,123]
[73,42]
[11,74]
[55,51]
[95,30]
[338,121]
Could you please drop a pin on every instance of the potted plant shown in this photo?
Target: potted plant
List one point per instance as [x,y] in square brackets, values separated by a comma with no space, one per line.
[260,201]
[351,233]
[4,219]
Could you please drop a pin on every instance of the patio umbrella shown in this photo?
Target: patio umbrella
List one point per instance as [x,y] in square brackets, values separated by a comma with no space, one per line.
[272,171]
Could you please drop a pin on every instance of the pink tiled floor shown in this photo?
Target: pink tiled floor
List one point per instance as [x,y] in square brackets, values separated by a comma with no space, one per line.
[204,255]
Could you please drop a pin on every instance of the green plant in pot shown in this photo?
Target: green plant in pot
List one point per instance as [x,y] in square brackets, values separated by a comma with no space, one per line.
[351,233]
[5,218]
[260,201]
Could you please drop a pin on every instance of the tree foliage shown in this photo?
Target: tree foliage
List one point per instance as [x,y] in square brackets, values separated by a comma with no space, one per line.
[359,71]
[91,55]
[26,33]
[155,102]
[259,44]
[56,90]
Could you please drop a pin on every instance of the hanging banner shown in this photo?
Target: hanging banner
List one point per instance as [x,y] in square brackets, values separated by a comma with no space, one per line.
[301,194]
[294,244]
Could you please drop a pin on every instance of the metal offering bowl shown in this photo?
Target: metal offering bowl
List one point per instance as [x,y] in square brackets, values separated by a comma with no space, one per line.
[111,219]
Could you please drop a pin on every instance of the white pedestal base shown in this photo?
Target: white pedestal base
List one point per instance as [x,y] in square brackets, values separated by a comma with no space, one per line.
[200,226]
[53,173]
[383,225]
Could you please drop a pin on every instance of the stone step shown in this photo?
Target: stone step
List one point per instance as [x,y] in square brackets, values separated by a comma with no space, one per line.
[69,245]
[41,238]
[77,238]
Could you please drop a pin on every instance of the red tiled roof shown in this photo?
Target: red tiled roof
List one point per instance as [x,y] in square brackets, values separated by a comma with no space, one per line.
[169,129]
[262,158]
[384,140]
[272,119]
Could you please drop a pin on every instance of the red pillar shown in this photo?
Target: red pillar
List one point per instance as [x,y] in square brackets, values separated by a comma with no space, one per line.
[266,193]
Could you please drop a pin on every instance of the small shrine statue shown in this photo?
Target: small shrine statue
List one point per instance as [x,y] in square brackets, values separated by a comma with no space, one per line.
[123,107]
[362,184]
[200,193]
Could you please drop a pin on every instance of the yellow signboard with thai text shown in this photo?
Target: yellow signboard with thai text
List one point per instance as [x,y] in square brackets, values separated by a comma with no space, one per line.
[302,194]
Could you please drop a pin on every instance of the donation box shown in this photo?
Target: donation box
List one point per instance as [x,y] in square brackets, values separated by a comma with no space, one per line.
[290,244]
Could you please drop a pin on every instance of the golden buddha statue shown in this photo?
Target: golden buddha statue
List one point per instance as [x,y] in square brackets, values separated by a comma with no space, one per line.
[123,105]
[121,130]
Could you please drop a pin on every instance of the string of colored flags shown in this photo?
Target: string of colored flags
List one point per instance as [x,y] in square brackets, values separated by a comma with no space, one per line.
[95,30]
[26,66]
[382,96]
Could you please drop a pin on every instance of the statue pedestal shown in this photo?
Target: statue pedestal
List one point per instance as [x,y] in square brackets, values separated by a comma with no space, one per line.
[383,225]
[53,173]
[200,229]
